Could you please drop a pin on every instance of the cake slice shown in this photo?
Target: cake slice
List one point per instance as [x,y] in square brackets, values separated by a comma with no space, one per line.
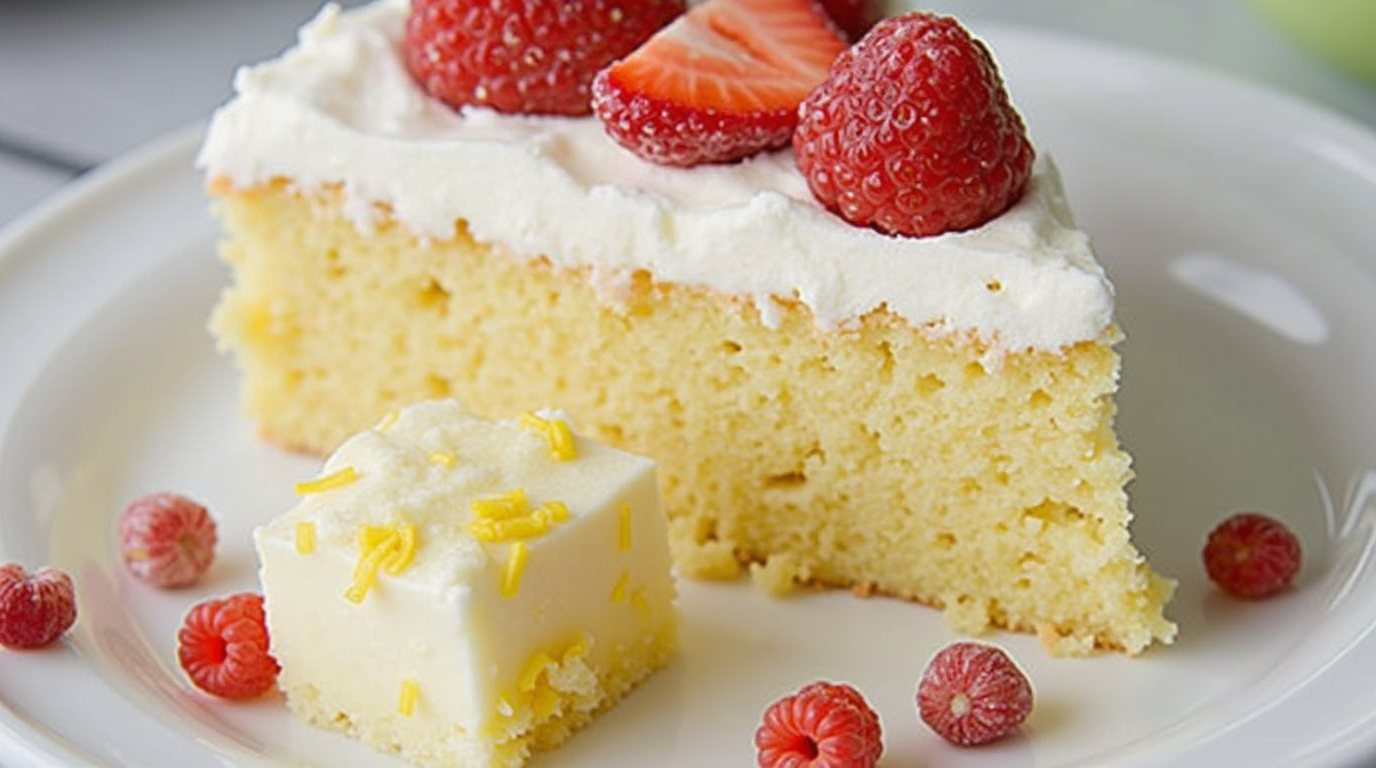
[463,592]
[924,417]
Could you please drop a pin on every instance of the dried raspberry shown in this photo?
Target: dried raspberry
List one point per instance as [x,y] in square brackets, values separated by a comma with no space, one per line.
[35,609]
[913,133]
[166,539]
[972,693]
[526,56]
[1252,555]
[825,725]
[223,646]
[854,17]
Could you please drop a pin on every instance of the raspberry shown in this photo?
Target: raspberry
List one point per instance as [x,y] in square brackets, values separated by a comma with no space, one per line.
[223,646]
[526,56]
[1252,555]
[972,693]
[35,608]
[167,540]
[854,17]
[913,133]
[825,725]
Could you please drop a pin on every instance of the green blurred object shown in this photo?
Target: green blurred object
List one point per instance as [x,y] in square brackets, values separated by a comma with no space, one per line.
[1341,31]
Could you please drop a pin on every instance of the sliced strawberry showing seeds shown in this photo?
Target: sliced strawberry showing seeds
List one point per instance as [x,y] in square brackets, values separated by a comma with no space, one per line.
[720,83]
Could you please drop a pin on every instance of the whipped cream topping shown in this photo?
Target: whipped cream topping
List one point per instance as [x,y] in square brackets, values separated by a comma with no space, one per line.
[340,108]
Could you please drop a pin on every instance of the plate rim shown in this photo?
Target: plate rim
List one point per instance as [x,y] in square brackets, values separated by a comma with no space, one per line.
[155,156]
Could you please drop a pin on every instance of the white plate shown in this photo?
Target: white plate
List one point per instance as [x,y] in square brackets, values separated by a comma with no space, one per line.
[1239,228]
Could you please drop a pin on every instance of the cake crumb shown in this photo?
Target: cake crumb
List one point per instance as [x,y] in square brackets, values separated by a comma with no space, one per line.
[863,589]
[780,574]
[966,615]
[709,560]
[1063,646]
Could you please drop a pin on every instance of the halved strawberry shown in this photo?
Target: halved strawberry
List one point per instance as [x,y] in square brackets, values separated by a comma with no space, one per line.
[720,83]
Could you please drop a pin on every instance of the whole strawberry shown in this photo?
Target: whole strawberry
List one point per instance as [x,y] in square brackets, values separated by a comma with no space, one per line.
[721,83]
[1251,555]
[972,693]
[167,539]
[824,725]
[913,133]
[524,56]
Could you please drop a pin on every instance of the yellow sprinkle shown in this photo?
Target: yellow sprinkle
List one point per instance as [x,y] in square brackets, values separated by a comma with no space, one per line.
[619,589]
[406,703]
[373,536]
[515,565]
[444,459]
[556,432]
[526,527]
[483,529]
[640,603]
[530,421]
[388,419]
[530,673]
[555,511]
[561,440]
[305,537]
[365,574]
[389,547]
[521,527]
[623,541]
[509,504]
[403,551]
[543,702]
[136,554]
[336,479]
[577,648]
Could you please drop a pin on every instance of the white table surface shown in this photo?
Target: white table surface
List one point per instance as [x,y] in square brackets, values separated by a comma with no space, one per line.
[82,81]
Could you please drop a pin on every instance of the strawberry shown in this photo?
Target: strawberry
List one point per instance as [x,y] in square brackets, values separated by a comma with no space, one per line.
[854,17]
[721,83]
[525,56]
[913,133]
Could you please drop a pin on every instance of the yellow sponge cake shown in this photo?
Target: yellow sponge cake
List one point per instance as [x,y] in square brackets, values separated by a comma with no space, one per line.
[929,418]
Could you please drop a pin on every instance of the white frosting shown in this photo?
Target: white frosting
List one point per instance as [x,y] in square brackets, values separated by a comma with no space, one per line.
[340,108]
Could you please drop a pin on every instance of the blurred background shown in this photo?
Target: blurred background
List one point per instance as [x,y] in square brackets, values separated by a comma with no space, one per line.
[82,81]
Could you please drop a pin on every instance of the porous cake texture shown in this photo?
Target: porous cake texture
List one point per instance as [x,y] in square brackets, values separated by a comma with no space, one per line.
[911,461]
[464,592]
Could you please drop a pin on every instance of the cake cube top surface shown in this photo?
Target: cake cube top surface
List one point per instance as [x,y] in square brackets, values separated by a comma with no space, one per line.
[432,463]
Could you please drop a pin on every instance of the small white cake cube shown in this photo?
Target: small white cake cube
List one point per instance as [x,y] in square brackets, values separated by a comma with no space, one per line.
[462,591]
